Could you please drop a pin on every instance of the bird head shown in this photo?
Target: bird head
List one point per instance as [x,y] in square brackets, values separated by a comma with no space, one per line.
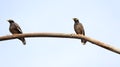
[10,21]
[75,20]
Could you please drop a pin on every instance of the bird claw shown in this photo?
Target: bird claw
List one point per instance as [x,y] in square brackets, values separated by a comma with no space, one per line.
[72,34]
[14,35]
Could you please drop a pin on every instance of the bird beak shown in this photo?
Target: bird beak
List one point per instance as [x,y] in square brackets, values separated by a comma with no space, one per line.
[73,18]
[7,20]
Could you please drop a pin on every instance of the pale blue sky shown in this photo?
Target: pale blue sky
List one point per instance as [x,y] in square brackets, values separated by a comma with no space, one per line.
[99,17]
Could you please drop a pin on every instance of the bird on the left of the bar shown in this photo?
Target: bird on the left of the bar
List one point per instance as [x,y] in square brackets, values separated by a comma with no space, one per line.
[14,28]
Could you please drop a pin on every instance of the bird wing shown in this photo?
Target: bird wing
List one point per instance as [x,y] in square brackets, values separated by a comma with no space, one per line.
[82,29]
[83,32]
[18,27]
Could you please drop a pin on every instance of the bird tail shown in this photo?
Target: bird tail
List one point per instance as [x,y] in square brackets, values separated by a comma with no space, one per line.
[83,41]
[23,40]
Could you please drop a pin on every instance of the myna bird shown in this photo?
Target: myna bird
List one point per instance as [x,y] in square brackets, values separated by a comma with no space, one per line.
[79,29]
[15,29]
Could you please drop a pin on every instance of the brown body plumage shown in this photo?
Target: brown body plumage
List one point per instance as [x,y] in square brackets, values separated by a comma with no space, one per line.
[15,29]
[79,29]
